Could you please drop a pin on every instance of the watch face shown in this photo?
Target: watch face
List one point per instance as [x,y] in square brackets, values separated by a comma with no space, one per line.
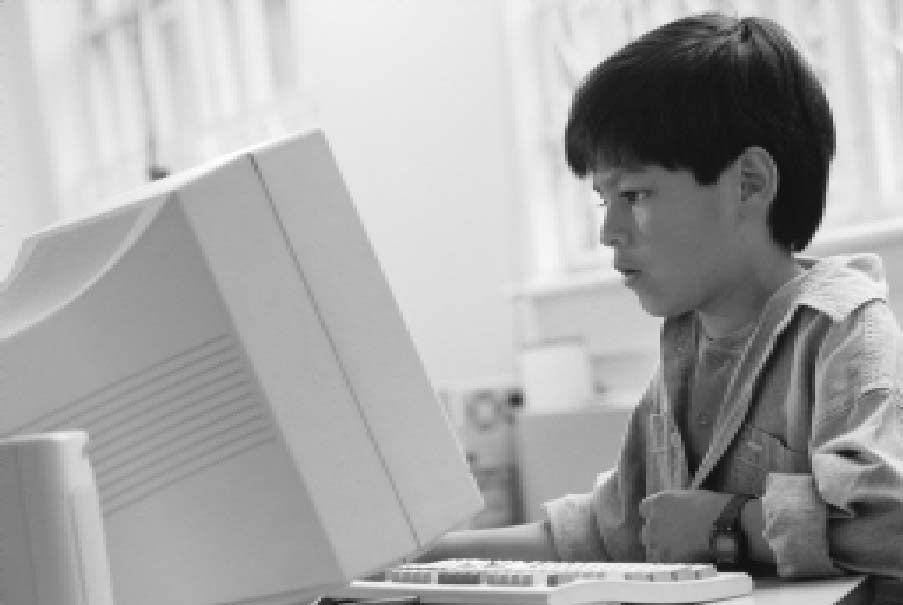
[725,546]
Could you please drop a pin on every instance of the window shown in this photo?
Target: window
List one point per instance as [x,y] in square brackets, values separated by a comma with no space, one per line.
[855,47]
[170,84]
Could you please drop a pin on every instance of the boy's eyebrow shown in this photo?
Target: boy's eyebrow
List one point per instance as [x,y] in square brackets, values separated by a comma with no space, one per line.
[605,181]
[610,178]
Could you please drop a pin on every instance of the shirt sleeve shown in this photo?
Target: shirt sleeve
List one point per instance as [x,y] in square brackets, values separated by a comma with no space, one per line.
[575,534]
[796,526]
[604,524]
[848,514]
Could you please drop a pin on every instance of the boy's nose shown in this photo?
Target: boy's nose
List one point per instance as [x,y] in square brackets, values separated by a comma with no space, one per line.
[612,233]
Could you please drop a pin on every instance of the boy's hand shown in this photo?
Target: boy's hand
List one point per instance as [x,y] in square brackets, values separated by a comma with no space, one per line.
[677,524]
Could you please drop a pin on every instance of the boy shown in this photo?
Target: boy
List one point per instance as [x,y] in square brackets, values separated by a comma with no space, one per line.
[772,431]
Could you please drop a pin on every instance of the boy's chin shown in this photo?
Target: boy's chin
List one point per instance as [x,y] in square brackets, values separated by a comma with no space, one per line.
[658,307]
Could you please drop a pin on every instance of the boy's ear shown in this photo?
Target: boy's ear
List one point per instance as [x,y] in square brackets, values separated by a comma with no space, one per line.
[758,178]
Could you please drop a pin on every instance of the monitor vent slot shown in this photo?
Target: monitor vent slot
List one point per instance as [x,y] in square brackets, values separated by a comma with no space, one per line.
[175,418]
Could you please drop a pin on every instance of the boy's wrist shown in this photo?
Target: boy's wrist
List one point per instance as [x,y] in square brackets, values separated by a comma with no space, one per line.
[727,541]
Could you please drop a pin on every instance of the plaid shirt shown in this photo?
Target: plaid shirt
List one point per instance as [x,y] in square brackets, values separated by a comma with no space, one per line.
[811,422]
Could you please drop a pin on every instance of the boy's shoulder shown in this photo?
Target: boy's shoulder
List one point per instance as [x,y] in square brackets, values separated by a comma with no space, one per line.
[839,285]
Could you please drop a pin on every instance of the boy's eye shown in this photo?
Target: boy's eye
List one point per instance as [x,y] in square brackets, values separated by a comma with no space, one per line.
[628,196]
[632,196]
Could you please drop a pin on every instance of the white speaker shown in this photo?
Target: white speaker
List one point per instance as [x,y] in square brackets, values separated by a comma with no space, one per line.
[52,549]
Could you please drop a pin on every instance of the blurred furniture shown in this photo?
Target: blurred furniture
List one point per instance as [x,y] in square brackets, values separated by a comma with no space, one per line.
[562,453]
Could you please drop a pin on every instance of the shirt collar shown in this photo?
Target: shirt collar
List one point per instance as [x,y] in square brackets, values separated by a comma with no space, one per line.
[835,286]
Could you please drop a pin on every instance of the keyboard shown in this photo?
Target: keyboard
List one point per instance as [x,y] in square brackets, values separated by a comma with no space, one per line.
[490,582]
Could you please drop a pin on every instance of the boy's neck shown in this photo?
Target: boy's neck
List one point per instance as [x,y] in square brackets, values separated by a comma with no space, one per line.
[746,300]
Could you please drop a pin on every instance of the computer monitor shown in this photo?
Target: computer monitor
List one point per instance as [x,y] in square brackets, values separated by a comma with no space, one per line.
[261,427]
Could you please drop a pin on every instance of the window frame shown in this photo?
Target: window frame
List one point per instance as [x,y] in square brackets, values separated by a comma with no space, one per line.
[184,82]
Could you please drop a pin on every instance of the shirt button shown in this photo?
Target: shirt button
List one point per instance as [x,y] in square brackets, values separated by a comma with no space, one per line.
[704,419]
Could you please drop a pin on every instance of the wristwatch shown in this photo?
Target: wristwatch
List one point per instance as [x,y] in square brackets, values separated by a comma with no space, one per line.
[727,542]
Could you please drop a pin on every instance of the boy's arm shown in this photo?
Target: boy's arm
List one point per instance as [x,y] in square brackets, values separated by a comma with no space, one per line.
[848,513]
[678,523]
[532,541]
[527,542]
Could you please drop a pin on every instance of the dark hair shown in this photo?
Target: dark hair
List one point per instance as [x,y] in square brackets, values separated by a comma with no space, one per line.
[696,92]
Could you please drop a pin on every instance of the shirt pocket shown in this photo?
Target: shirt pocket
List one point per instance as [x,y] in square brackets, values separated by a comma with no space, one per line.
[755,454]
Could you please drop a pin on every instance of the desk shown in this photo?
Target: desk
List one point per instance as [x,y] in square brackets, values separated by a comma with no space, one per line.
[852,590]
[847,590]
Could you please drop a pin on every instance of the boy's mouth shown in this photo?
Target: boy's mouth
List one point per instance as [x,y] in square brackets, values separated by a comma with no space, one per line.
[629,276]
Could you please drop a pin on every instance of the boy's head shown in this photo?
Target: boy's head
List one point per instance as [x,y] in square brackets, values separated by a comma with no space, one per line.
[697,92]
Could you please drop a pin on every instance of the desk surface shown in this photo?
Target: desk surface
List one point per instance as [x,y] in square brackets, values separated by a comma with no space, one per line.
[850,590]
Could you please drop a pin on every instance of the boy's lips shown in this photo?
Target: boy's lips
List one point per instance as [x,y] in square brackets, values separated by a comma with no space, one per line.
[629,275]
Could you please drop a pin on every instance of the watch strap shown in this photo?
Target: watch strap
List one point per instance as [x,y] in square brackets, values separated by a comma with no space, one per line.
[730,514]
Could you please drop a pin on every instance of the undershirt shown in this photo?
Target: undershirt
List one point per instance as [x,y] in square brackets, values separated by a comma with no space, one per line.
[716,360]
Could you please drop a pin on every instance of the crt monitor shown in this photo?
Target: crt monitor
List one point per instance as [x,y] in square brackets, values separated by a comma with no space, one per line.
[260,425]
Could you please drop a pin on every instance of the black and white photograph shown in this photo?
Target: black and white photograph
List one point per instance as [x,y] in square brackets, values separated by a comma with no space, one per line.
[451,302]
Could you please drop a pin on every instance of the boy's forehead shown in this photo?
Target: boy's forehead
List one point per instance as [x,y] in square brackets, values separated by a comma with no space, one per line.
[606,175]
